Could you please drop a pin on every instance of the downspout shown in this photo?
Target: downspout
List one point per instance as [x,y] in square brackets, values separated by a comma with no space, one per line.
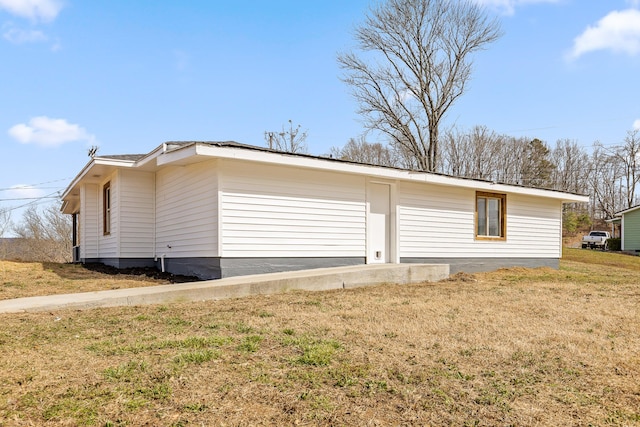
[155,258]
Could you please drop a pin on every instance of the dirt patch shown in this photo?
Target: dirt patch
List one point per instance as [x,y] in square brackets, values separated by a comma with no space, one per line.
[461,277]
[150,272]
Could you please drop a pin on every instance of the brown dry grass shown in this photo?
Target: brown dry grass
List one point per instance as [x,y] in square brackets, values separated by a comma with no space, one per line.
[27,279]
[513,347]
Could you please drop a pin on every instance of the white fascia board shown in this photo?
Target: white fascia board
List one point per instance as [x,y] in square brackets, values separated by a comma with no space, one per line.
[178,154]
[151,156]
[96,161]
[283,159]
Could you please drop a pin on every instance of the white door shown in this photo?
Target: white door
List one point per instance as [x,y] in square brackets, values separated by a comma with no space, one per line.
[378,228]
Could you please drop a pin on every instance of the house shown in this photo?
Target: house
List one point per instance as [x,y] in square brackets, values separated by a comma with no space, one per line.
[628,223]
[220,209]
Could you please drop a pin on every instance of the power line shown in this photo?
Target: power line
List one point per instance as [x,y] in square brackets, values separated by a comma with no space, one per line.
[28,198]
[34,201]
[29,186]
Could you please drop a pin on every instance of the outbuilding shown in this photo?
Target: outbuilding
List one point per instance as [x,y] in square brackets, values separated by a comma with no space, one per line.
[220,209]
[628,224]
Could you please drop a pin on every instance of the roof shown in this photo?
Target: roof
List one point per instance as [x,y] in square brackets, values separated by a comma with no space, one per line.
[131,157]
[180,144]
[185,152]
[631,209]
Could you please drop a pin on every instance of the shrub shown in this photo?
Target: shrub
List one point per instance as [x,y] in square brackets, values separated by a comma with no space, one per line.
[614,243]
[569,222]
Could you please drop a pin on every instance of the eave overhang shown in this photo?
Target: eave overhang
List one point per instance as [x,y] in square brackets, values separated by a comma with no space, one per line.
[93,173]
[185,153]
[197,152]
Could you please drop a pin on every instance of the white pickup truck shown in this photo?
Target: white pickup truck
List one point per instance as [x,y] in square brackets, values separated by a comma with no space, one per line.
[596,239]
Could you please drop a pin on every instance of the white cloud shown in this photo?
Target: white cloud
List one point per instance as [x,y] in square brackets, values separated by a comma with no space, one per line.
[619,32]
[508,7]
[19,36]
[34,10]
[636,125]
[48,132]
[24,192]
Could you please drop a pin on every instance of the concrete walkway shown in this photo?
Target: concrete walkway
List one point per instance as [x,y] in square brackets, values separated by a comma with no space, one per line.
[235,287]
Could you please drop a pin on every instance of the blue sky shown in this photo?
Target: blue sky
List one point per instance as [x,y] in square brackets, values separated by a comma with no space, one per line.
[129,75]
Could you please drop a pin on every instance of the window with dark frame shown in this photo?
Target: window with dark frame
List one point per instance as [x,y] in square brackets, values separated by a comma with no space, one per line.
[491,210]
[106,208]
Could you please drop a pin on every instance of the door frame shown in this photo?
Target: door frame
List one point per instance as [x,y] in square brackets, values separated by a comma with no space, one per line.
[393,235]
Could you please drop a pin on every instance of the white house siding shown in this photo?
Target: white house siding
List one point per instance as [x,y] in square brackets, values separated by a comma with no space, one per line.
[88,221]
[269,211]
[137,214]
[186,210]
[435,220]
[108,244]
[439,222]
[534,226]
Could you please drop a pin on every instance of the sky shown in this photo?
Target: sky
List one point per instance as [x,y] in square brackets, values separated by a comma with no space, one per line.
[126,76]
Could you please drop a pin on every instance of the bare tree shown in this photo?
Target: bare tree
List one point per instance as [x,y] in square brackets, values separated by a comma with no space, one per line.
[512,158]
[416,63]
[627,155]
[361,151]
[5,225]
[290,140]
[45,234]
[483,154]
[572,165]
[605,183]
[5,221]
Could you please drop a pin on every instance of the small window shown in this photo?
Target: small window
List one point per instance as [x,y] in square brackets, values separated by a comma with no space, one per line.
[106,208]
[490,216]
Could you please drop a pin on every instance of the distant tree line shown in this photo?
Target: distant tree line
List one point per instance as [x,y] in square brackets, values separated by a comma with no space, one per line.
[42,235]
[610,175]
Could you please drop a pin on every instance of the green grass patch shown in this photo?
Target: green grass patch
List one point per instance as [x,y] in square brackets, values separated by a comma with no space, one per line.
[250,344]
[609,259]
[196,357]
[125,372]
[315,351]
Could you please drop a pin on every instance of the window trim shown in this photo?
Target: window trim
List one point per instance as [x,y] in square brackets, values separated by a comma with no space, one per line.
[106,209]
[503,216]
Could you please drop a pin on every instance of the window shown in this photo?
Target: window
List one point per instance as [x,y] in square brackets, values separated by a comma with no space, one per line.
[490,216]
[106,208]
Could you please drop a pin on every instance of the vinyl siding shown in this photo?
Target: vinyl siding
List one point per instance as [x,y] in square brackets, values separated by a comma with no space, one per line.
[271,211]
[88,221]
[108,245]
[534,227]
[631,229]
[439,221]
[136,214]
[186,210]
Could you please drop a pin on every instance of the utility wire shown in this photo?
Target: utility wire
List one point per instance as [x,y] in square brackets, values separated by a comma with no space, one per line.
[35,201]
[28,198]
[29,186]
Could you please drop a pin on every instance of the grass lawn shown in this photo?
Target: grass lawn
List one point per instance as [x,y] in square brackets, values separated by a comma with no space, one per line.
[24,279]
[513,347]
